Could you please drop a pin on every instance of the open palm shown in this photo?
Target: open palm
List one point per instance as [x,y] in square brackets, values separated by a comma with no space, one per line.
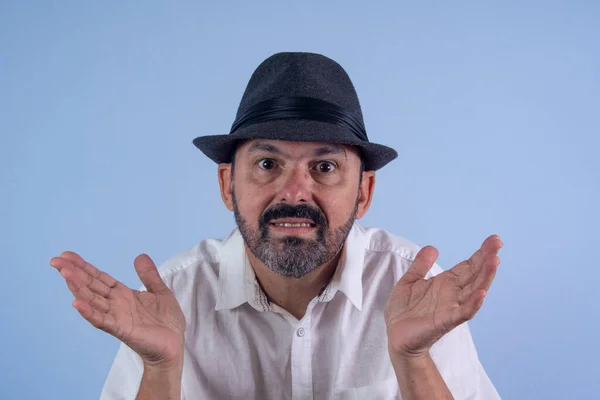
[150,322]
[420,311]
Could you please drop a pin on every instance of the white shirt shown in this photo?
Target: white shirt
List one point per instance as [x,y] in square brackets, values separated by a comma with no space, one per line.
[238,346]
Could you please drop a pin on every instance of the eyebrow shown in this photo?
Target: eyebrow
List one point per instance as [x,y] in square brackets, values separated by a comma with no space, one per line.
[257,147]
[329,150]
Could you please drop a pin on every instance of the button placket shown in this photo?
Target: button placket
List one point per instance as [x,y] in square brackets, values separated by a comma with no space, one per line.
[302,382]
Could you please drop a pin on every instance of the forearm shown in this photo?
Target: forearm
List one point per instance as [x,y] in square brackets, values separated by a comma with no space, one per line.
[161,382]
[419,378]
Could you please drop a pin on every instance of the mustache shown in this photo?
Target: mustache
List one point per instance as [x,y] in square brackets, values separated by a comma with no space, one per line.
[303,211]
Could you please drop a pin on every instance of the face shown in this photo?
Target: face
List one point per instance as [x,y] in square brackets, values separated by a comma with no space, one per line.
[295,202]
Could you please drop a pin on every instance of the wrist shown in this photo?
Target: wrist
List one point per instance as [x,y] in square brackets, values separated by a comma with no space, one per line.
[169,358]
[401,353]
[164,366]
[410,360]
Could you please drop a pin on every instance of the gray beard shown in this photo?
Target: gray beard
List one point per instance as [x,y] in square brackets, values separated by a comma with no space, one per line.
[293,256]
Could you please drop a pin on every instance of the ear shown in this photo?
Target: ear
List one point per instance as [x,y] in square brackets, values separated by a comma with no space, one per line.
[226,185]
[365,193]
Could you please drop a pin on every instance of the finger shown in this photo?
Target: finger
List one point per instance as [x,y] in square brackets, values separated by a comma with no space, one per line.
[146,270]
[472,305]
[467,270]
[100,320]
[483,280]
[423,262]
[82,292]
[89,268]
[95,285]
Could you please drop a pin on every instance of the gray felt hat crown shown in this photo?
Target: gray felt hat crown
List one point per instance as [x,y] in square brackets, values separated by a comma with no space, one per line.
[303,97]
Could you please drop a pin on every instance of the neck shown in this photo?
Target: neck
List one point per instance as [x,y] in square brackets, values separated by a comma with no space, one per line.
[293,294]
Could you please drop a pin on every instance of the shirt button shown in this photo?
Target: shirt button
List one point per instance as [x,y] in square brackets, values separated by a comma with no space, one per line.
[300,332]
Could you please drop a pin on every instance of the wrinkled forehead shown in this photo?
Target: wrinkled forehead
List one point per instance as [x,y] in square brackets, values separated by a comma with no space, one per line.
[294,149]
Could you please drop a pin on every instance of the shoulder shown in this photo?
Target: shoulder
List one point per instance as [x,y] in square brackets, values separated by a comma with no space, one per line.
[206,251]
[383,248]
[378,240]
[199,263]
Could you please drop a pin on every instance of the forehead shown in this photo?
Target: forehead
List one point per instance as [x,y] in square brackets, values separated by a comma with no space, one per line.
[296,149]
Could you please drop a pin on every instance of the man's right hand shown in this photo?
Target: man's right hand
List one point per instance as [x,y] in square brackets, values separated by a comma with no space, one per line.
[150,322]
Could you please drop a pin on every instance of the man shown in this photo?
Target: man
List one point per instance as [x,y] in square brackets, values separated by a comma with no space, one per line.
[299,302]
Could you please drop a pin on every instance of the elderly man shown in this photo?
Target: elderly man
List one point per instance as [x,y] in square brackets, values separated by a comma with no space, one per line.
[300,301]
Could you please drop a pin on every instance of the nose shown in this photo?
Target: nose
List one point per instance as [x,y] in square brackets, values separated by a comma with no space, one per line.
[296,186]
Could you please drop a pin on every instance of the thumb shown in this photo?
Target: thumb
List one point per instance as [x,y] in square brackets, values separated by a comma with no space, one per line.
[148,273]
[422,264]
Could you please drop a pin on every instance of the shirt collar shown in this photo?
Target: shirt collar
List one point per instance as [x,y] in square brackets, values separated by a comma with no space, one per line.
[238,284]
[237,281]
[348,275]
[231,272]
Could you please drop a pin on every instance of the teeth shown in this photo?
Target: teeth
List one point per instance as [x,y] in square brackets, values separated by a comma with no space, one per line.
[288,225]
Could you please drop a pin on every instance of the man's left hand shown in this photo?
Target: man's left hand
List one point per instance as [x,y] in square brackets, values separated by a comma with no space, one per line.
[420,311]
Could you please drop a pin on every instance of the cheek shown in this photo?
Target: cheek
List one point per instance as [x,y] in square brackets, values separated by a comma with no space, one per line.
[338,205]
[251,200]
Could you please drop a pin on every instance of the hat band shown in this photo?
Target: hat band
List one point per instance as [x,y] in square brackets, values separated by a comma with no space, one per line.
[296,107]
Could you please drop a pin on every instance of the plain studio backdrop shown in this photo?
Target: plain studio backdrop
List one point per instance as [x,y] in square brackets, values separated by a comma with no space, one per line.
[493,107]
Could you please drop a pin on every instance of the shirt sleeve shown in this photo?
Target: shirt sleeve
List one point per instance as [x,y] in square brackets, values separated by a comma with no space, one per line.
[124,377]
[456,357]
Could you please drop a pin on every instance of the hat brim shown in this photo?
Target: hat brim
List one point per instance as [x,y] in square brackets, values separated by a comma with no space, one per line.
[221,148]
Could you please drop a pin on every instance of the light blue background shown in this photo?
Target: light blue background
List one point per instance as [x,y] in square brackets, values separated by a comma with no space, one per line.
[493,106]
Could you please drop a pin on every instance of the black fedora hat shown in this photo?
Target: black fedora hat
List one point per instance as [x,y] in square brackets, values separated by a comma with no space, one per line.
[303,97]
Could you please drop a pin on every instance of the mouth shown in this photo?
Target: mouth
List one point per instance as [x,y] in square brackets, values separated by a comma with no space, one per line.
[292,225]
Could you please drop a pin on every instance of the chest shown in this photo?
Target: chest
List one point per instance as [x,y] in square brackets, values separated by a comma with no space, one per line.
[332,353]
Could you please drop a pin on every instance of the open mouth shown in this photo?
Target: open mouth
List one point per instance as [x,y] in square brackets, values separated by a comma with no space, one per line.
[292,223]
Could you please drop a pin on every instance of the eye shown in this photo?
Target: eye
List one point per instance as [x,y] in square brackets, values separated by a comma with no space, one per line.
[324,167]
[267,164]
